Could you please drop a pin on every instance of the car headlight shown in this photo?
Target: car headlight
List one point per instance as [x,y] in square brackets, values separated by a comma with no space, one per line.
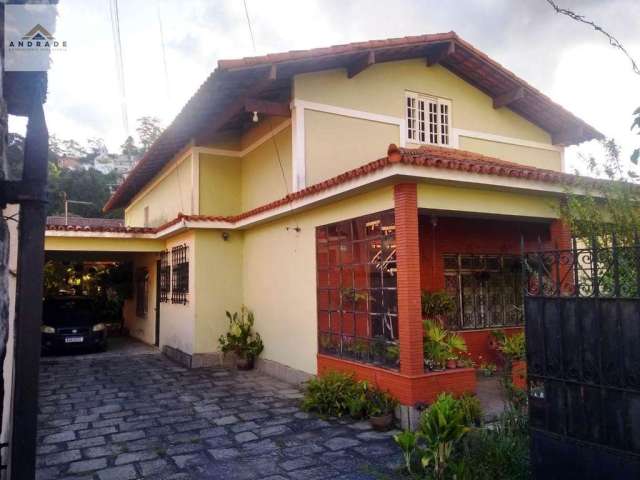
[98,327]
[47,329]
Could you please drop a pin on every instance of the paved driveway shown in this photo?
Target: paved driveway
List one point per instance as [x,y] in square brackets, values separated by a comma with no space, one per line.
[138,415]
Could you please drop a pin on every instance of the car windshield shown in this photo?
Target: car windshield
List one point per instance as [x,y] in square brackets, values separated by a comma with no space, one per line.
[80,311]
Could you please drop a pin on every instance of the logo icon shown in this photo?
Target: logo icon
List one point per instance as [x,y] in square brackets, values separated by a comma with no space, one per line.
[38,33]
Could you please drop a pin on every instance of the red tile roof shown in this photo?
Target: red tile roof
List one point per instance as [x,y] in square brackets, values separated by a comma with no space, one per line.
[427,157]
[221,94]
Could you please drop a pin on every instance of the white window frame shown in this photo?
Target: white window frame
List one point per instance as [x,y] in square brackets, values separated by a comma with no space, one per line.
[419,120]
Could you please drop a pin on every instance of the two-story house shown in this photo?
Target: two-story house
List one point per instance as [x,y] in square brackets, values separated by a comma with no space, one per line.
[325,189]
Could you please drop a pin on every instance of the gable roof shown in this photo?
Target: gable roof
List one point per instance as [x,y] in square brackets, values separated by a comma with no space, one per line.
[222,95]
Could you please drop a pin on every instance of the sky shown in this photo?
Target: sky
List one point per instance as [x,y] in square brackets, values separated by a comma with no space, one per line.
[568,61]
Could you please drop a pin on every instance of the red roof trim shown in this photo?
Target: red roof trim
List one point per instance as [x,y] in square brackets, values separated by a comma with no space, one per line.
[429,156]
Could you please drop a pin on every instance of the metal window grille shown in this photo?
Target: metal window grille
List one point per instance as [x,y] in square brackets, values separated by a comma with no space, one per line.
[357,290]
[165,276]
[488,290]
[142,292]
[180,274]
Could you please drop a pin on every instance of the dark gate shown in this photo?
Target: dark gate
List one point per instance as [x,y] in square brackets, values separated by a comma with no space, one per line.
[582,317]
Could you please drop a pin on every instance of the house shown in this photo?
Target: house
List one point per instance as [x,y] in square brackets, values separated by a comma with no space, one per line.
[324,189]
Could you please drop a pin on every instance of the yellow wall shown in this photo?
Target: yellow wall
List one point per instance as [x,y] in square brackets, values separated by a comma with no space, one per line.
[381,89]
[262,177]
[220,185]
[536,157]
[279,277]
[177,321]
[170,196]
[143,328]
[101,244]
[461,199]
[218,284]
[335,144]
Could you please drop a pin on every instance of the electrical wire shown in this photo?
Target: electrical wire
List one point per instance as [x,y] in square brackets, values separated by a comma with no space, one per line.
[117,44]
[164,54]
[273,137]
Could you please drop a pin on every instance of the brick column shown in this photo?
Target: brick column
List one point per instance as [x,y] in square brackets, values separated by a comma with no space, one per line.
[560,234]
[408,257]
[562,272]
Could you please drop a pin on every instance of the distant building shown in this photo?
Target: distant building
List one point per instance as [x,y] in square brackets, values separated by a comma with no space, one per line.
[71,163]
[108,162]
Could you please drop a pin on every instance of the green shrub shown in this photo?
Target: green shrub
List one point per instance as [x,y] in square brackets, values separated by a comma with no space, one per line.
[442,426]
[498,453]
[513,347]
[331,394]
[379,403]
[471,410]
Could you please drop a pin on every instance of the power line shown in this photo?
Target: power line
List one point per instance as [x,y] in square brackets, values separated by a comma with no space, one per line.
[273,137]
[117,44]
[246,12]
[164,53]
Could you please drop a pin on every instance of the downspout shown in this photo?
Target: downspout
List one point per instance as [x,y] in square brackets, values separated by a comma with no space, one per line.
[32,200]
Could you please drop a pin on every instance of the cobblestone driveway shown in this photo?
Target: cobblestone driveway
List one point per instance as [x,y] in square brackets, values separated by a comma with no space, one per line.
[142,416]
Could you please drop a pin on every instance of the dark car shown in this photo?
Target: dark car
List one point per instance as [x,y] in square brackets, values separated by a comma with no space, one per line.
[72,322]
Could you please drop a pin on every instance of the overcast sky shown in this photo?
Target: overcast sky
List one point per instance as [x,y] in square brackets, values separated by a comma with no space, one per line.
[570,62]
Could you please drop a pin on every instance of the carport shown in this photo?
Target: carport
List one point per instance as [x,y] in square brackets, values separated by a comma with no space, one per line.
[136,246]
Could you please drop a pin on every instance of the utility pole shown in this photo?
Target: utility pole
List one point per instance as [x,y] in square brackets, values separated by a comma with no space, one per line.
[66,206]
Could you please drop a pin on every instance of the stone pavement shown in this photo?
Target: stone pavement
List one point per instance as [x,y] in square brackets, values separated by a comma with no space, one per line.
[122,417]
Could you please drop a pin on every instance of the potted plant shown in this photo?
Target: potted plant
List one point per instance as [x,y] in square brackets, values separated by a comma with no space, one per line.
[441,347]
[438,306]
[245,344]
[488,369]
[380,407]
[513,349]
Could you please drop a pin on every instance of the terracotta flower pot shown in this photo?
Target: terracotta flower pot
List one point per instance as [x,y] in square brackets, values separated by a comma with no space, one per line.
[451,364]
[381,423]
[244,362]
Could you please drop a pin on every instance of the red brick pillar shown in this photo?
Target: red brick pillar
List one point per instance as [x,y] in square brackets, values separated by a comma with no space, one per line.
[560,234]
[562,272]
[408,257]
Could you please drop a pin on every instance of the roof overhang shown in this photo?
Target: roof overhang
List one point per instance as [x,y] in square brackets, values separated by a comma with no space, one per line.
[225,93]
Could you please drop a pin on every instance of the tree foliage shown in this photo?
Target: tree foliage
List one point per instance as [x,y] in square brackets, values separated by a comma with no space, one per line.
[607,207]
[149,130]
[83,185]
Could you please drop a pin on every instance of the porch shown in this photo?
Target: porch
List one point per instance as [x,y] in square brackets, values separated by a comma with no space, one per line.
[372,270]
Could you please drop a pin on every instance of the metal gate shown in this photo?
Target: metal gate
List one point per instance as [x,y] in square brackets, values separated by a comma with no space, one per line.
[582,323]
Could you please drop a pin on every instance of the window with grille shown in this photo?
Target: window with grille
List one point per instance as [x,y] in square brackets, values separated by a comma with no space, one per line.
[142,292]
[165,276]
[357,289]
[179,274]
[428,119]
[488,290]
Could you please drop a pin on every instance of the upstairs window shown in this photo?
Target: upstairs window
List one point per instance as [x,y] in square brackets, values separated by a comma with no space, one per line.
[179,274]
[165,276]
[428,119]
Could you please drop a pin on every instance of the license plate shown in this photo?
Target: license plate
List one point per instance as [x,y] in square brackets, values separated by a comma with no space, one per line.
[74,340]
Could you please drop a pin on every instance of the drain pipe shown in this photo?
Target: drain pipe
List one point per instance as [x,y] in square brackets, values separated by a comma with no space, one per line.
[30,193]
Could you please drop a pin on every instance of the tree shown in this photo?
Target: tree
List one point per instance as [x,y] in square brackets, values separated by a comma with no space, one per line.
[84,185]
[96,147]
[149,130]
[15,155]
[129,147]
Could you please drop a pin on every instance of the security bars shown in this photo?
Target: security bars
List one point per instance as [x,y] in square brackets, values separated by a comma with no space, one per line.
[179,274]
[165,276]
